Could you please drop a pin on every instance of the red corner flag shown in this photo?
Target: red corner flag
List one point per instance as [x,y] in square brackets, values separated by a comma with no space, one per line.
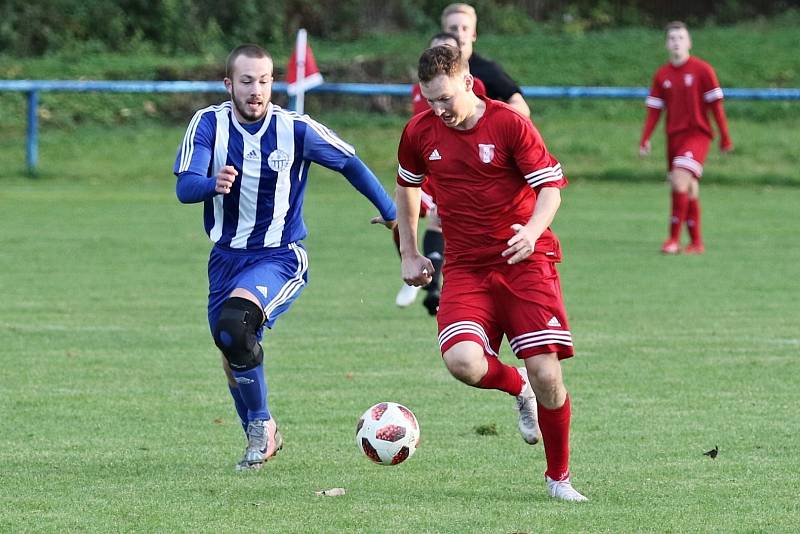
[302,73]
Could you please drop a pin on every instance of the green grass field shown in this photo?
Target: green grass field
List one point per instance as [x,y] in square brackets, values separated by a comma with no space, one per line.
[116,418]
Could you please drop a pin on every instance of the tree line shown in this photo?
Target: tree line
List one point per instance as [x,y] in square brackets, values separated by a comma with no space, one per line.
[34,28]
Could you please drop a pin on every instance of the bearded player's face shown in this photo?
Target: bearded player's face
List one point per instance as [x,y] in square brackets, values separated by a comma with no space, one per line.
[250,87]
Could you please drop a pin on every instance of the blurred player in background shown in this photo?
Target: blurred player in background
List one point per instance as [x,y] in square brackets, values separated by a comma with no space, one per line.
[432,240]
[248,161]
[497,190]
[688,88]
[462,21]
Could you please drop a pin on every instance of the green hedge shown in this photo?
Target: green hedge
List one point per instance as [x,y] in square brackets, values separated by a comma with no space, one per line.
[201,26]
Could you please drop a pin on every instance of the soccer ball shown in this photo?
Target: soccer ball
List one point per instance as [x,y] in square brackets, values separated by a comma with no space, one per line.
[388,433]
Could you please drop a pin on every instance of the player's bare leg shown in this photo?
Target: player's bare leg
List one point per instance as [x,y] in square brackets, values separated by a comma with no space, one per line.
[468,362]
[680,180]
[546,378]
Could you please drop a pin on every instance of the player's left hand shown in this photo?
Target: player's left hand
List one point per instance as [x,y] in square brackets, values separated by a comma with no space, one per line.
[726,148]
[521,245]
[380,220]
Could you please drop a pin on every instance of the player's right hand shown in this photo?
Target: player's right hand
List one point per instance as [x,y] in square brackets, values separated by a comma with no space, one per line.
[225,178]
[417,270]
[644,149]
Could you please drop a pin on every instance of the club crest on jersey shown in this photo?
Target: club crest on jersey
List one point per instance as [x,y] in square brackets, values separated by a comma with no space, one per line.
[667,84]
[688,79]
[486,152]
[278,160]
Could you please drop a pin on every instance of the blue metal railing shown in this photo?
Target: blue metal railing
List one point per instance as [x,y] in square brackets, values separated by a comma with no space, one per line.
[33,87]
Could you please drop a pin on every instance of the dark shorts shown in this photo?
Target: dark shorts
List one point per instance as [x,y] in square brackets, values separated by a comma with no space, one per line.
[521,301]
[276,276]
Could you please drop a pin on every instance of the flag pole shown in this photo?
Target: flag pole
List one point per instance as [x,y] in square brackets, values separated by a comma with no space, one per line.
[300,50]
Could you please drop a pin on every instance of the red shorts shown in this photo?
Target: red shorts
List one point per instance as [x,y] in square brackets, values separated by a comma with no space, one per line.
[688,150]
[521,301]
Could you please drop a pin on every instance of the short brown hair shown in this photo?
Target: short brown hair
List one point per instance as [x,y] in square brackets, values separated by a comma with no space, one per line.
[248,50]
[439,60]
[460,8]
[675,25]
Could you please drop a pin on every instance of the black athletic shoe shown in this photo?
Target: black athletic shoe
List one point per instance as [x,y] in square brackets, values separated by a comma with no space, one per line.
[431,301]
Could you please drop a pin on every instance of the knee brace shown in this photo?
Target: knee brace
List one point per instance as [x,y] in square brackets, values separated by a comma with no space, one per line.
[235,333]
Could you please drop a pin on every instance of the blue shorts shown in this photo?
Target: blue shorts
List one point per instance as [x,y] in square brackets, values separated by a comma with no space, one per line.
[276,276]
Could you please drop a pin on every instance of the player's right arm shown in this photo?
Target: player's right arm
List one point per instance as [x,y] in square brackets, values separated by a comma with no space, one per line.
[194,159]
[416,268]
[654,103]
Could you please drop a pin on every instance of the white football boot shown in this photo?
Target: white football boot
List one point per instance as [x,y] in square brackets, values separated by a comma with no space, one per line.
[562,489]
[528,416]
[406,296]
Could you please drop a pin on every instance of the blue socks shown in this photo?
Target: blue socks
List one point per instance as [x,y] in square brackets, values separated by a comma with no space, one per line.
[252,392]
[241,408]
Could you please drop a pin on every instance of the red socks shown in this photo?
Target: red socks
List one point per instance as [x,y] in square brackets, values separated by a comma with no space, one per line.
[554,425]
[693,220]
[501,376]
[680,206]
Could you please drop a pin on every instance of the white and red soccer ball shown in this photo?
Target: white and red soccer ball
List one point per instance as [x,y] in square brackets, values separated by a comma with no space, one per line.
[387,433]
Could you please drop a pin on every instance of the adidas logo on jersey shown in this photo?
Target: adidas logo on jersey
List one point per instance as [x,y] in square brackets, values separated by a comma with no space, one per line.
[253,154]
[553,322]
[434,155]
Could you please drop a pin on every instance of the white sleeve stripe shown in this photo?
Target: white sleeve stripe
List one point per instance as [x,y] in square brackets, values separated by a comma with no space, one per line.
[187,147]
[712,95]
[188,143]
[541,181]
[545,170]
[409,176]
[328,135]
[653,102]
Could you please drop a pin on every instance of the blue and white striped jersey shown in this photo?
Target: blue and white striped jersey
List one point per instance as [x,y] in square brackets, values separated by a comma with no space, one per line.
[264,207]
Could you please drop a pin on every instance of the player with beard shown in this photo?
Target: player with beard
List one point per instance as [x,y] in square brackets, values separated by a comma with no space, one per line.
[247,160]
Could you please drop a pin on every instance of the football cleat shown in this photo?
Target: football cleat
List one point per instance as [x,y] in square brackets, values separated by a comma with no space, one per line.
[694,248]
[406,296]
[264,440]
[526,404]
[670,246]
[562,489]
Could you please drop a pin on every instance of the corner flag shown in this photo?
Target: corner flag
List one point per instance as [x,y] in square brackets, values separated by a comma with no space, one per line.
[302,73]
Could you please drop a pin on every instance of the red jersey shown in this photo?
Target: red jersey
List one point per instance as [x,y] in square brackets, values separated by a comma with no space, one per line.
[686,92]
[419,104]
[486,179]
